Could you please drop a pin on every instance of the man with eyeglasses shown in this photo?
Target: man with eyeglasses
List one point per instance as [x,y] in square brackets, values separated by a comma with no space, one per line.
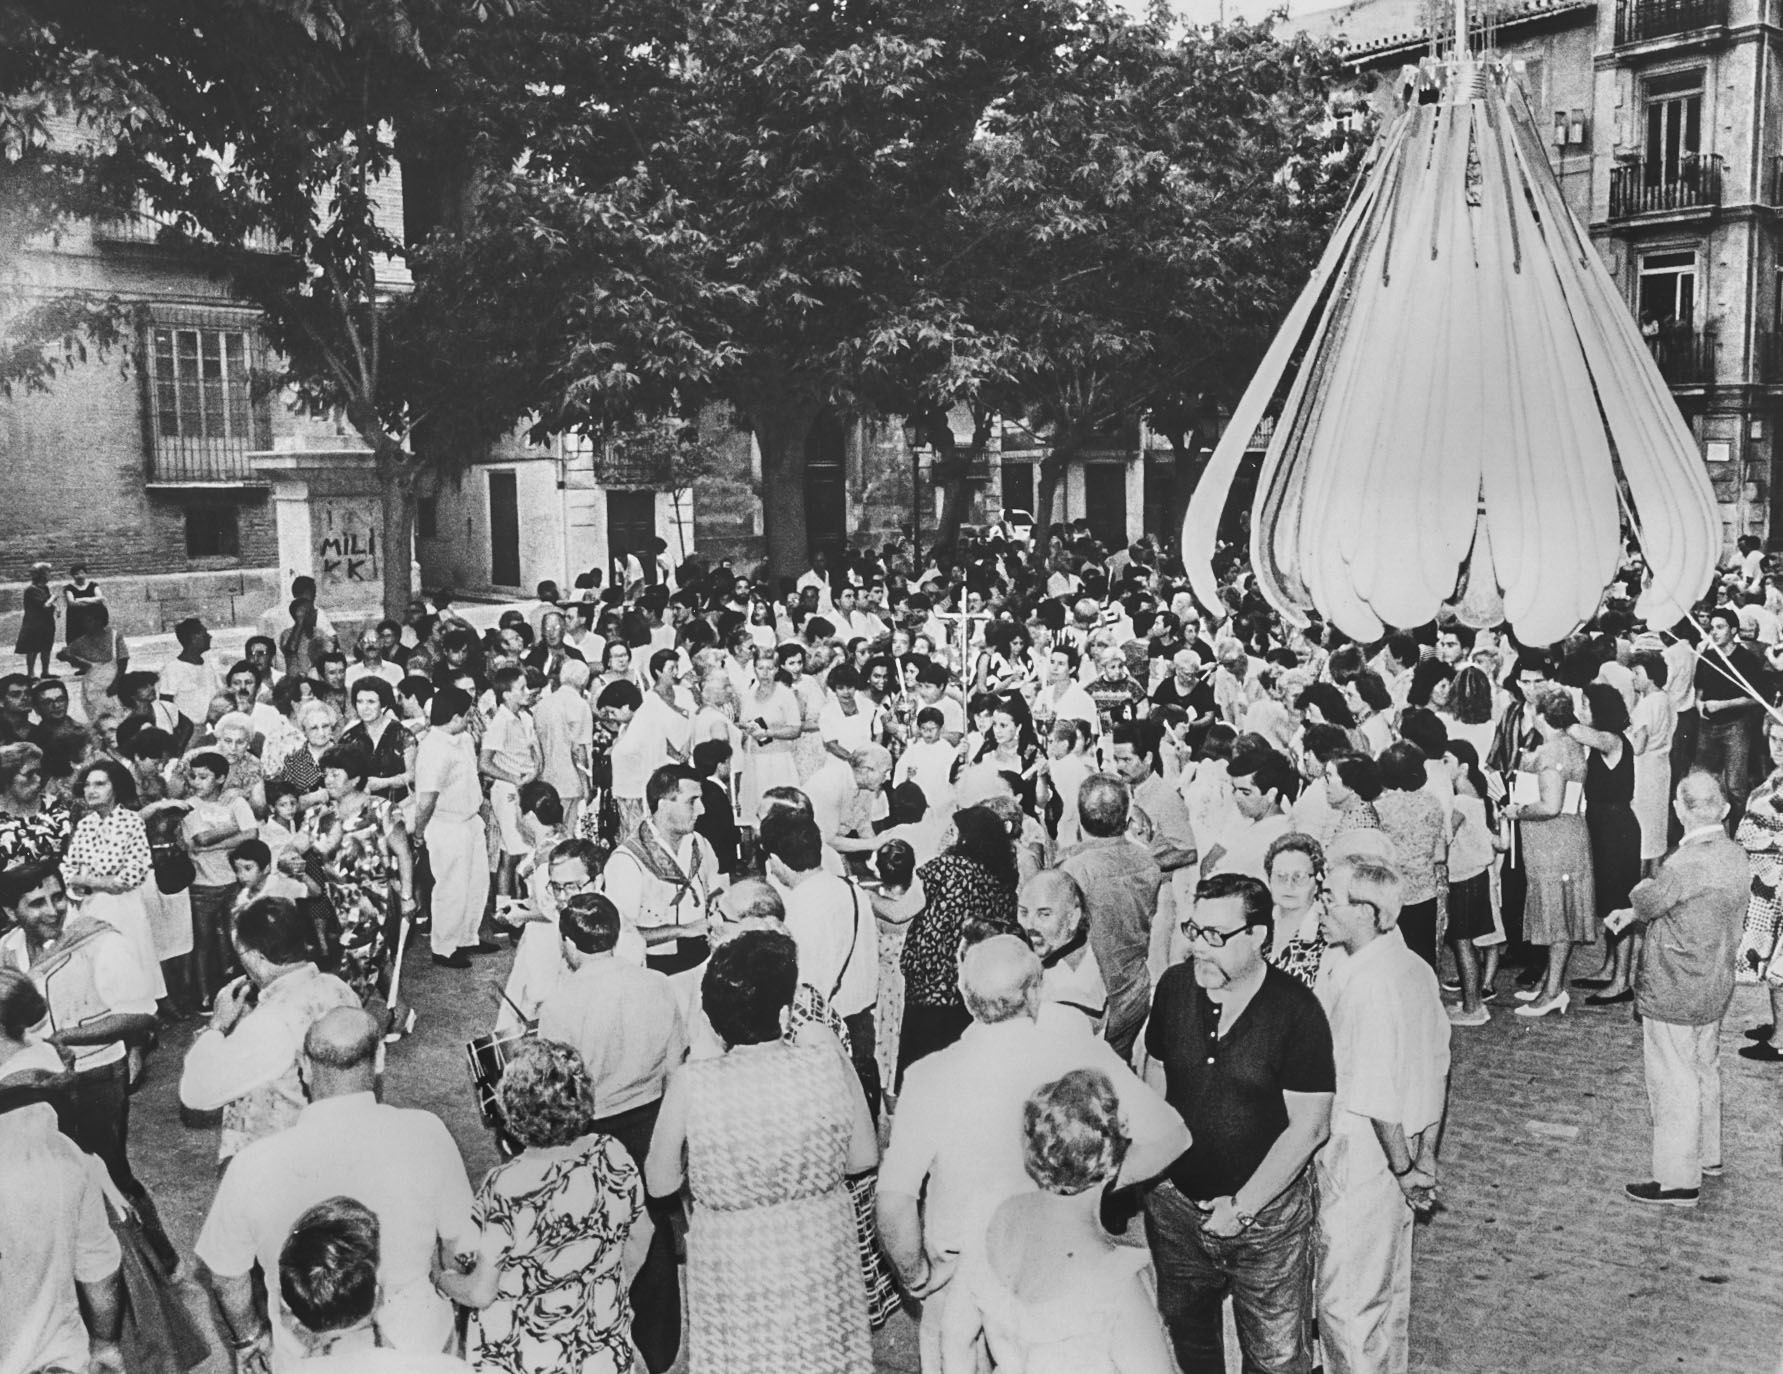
[1243,1052]
[540,962]
[1390,1039]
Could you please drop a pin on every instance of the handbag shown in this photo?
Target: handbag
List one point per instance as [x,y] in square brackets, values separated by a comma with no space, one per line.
[159,1335]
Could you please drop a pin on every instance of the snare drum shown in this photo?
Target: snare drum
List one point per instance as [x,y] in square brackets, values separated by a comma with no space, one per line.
[488,1056]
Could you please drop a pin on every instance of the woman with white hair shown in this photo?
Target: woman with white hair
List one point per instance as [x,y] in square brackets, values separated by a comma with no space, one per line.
[320,724]
[235,735]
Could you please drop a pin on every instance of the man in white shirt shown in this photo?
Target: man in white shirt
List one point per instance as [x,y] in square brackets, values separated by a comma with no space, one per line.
[188,680]
[661,874]
[100,1001]
[819,579]
[1390,1039]
[245,1062]
[957,1131]
[852,622]
[448,814]
[1263,782]
[276,622]
[849,721]
[832,922]
[845,801]
[60,1259]
[400,1163]
[372,663]
[626,1023]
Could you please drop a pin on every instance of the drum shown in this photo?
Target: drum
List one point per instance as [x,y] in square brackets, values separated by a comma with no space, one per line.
[488,1057]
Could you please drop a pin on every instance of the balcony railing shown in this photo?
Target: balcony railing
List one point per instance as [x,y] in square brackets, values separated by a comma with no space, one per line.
[1639,20]
[1686,356]
[143,225]
[617,466]
[1641,188]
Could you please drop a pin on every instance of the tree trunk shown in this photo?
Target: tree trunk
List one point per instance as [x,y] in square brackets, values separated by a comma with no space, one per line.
[396,478]
[782,424]
[952,469]
[1052,472]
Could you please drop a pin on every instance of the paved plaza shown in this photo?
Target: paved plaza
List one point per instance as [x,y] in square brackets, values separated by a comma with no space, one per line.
[1536,1265]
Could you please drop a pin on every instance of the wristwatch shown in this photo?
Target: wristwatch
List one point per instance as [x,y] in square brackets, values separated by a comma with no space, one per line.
[1246,1220]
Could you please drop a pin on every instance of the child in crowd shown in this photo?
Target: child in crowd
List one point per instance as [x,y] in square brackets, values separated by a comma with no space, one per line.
[1067,764]
[1474,922]
[281,831]
[929,761]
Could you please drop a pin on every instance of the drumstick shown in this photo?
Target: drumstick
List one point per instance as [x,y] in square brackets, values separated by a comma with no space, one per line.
[402,944]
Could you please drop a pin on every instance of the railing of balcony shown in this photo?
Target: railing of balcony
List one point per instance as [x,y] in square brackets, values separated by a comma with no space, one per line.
[1644,188]
[615,466]
[143,225]
[1639,20]
[1686,356]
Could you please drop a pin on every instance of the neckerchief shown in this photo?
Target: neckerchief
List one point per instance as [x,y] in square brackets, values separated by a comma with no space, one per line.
[1066,950]
[646,846]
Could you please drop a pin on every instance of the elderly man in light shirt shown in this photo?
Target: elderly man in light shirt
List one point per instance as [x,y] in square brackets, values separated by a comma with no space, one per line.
[399,1162]
[846,798]
[1390,1040]
[957,1131]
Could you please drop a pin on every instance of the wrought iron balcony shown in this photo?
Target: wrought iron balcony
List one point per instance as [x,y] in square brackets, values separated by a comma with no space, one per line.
[1643,188]
[1639,20]
[626,465]
[1686,356]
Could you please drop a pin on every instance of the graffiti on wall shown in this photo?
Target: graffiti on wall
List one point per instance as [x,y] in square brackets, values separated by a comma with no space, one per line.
[346,543]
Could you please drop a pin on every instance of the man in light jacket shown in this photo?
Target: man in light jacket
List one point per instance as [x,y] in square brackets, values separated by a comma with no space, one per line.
[1692,909]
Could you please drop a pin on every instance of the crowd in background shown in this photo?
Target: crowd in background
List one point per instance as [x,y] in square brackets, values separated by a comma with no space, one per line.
[1016,938]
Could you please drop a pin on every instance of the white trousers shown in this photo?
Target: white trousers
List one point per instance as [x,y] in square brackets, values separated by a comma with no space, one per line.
[459,854]
[1683,1067]
[1365,1256]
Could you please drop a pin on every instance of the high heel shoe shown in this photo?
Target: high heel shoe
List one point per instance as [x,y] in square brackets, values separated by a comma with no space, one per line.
[1559,1002]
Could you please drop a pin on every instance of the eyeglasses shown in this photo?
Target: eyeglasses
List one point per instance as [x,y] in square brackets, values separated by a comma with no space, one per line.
[1214,939]
[562,890]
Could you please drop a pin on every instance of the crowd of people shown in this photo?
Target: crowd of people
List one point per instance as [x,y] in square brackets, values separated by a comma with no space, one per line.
[1013,938]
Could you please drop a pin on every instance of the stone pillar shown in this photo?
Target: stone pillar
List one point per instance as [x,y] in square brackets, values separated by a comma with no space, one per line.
[328,507]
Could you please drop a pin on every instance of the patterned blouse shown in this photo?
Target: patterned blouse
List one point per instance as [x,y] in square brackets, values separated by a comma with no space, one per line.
[561,1218]
[1416,824]
[35,839]
[956,888]
[114,846]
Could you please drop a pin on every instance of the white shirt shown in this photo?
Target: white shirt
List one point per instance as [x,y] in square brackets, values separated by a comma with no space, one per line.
[191,686]
[104,977]
[1247,842]
[447,764]
[1389,1036]
[52,1215]
[959,1120]
[930,767]
[644,745]
[832,924]
[386,670]
[850,730]
[644,899]
[400,1163]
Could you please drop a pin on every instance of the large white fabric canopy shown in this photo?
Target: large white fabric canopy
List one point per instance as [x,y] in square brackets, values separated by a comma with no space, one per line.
[1470,411]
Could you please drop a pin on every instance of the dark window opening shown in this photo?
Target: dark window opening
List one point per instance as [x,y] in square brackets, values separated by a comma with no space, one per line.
[213,531]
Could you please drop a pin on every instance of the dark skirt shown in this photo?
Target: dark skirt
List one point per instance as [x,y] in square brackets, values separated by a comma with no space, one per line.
[1470,907]
[1615,855]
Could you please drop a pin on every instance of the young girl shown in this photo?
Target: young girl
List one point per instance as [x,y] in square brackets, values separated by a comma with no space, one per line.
[1473,914]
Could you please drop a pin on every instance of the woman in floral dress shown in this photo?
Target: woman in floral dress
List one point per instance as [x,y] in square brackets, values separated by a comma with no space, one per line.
[367,871]
[564,1232]
[34,828]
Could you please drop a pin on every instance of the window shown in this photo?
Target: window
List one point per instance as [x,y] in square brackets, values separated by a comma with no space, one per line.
[1674,125]
[213,531]
[203,422]
[1667,290]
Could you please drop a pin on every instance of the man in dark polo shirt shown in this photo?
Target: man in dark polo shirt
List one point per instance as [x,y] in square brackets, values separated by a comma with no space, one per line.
[1243,1052]
[1728,715]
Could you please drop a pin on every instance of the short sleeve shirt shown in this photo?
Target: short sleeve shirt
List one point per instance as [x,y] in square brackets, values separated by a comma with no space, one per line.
[1229,1088]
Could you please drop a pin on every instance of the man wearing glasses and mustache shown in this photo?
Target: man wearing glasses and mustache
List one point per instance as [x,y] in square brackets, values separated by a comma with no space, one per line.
[1243,1052]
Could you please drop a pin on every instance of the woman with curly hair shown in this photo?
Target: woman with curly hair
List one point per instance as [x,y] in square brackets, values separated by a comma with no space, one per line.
[1046,1289]
[765,1137]
[564,1231]
[1294,867]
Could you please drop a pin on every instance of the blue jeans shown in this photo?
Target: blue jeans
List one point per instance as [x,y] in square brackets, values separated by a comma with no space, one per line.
[1268,1270]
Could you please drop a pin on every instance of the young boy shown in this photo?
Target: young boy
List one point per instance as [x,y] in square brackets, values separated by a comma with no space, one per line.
[256,876]
[929,761]
[279,831]
[509,757]
[212,828]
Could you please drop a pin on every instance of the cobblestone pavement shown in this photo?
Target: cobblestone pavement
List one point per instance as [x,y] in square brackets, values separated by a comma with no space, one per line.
[1536,1264]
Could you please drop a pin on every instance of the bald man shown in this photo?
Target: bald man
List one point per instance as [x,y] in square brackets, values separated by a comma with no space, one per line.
[399,1162]
[1051,909]
[1692,909]
[846,798]
[958,1126]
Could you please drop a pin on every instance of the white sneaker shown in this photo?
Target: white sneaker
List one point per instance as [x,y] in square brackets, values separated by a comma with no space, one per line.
[1479,1016]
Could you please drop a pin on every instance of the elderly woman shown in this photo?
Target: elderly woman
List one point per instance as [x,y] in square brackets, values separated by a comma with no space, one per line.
[1560,904]
[34,828]
[975,877]
[564,1231]
[1294,866]
[1046,1289]
[773,1277]
[615,666]
[235,735]
[108,862]
[1416,826]
[320,724]
[367,872]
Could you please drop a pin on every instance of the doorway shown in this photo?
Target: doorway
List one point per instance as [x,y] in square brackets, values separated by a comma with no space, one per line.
[504,529]
[1105,503]
[826,486]
[631,524]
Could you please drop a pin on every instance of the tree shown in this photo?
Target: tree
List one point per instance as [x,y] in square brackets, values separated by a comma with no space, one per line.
[1139,220]
[267,145]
